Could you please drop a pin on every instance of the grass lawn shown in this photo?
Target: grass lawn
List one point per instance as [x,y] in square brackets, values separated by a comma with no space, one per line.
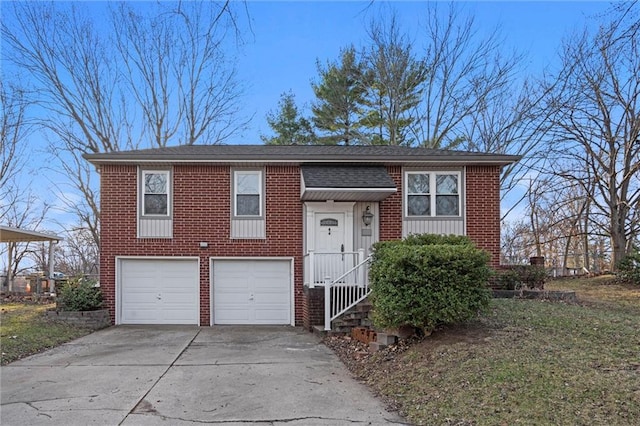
[524,362]
[24,331]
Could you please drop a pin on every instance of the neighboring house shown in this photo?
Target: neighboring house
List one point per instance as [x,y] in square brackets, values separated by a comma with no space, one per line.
[248,234]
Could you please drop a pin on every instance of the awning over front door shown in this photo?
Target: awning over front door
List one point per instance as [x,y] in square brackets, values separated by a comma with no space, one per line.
[346,183]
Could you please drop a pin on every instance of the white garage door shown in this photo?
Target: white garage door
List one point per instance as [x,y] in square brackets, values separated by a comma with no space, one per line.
[251,292]
[159,291]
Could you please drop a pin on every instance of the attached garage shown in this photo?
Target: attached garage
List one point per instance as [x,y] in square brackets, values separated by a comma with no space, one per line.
[158,291]
[252,291]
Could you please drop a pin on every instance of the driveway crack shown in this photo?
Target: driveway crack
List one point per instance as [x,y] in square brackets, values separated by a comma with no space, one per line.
[266,421]
[142,400]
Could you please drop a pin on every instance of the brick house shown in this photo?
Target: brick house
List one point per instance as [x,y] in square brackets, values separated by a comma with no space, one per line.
[255,234]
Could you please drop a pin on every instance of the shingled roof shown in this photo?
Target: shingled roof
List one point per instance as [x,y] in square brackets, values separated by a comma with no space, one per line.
[298,154]
[361,183]
[346,177]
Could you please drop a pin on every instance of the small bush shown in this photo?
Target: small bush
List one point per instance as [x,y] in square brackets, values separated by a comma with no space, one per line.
[629,268]
[508,280]
[81,295]
[428,280]
[521,276]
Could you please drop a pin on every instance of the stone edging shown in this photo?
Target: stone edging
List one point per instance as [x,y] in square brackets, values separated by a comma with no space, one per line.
[554,295]
[89,319]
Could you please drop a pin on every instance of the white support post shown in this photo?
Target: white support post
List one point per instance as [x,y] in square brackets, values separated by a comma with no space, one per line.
[312,268]
[360,270]
[52,282]
[327,304]
[10,247]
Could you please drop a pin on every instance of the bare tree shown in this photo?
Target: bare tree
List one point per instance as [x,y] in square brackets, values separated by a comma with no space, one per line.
[27,213]
[464,73]
[75,255]
[189,89]
[13,131]
[596,125]
[163,65]
[514,123]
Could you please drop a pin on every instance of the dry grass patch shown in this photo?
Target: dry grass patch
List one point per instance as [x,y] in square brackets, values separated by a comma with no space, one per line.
[526,362]
[599,290]
[24,331]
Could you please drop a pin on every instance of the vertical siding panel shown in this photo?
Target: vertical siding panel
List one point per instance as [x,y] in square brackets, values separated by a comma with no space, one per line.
[248,228]
[445,226]
[361,241]
[155,228]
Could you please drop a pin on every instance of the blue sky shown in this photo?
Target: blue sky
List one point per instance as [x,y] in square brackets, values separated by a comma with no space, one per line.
[288,37]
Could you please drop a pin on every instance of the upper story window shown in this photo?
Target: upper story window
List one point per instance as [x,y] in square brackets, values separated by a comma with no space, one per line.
[155,192]
[431,194]
[418,194]
[248,193]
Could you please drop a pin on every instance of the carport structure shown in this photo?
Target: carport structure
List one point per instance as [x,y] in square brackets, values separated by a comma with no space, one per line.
[11,236]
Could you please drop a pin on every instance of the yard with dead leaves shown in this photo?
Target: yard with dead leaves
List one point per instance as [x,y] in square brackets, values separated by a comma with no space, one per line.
[24,330]
[524,362]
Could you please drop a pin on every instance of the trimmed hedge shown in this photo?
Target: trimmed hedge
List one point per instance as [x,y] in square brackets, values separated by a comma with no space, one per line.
[428,280]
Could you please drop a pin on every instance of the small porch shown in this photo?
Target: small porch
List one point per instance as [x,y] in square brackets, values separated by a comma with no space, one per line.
[341,223]
[343,276]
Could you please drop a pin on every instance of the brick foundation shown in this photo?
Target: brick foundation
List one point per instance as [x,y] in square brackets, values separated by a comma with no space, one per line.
[314,307]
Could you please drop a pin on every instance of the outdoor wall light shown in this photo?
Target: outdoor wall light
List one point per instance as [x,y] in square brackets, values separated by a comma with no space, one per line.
[367,217]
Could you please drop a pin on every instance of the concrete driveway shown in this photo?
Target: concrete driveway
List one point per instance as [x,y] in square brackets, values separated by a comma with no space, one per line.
[175,375]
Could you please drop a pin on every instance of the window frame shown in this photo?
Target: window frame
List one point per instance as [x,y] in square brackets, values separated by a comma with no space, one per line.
[142,192]
[261,193]
[432,193]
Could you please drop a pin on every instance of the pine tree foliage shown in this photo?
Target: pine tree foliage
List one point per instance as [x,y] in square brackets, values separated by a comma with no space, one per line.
[340,94]
[288,126]
[395,87]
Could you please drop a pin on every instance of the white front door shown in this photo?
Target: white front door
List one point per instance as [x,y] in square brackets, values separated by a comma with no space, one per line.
[329,229]
[330,236]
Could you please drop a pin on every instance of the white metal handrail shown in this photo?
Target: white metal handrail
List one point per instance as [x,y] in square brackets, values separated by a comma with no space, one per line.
[342,293]
[318,266]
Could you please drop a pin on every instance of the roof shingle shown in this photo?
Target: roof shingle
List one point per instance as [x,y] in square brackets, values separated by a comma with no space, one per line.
[298,154]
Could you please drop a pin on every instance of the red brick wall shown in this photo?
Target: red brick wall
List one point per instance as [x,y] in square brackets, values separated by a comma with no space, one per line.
[313,307]
[201,212]
[202,208]
[483,209]
[391,209]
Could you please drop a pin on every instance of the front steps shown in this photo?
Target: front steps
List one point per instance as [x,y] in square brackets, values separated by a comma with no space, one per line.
[357,316]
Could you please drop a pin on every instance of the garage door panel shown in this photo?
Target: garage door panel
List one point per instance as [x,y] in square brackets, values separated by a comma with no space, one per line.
[252,291]
[269,316]
[270,299]
[233,315]
[141,316]
[177,316]
[159,291]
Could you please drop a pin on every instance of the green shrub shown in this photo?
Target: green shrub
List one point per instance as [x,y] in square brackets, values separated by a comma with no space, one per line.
[79,295]
[521,276]
[629,268]
[432,239]
[428,280]
[508,279]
